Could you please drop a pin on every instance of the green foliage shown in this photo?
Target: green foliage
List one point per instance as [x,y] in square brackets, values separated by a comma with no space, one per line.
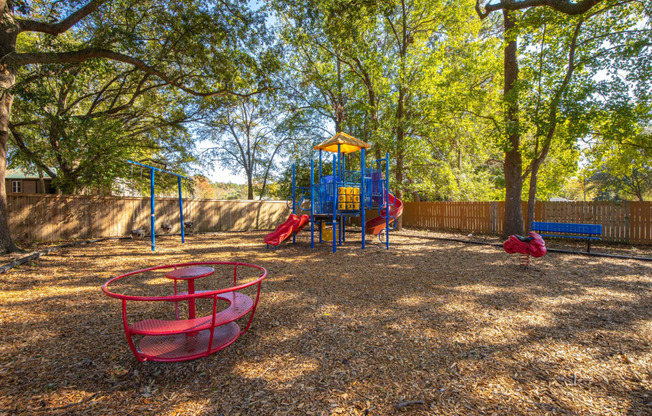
[619,171]
[419,79]
[410,80]
[78,122]
[229,191]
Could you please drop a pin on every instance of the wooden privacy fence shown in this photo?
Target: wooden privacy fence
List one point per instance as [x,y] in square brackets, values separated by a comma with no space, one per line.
[42,217]
[625,222]
[61,217]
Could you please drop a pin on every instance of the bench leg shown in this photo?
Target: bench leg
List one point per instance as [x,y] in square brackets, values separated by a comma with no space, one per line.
[588,247]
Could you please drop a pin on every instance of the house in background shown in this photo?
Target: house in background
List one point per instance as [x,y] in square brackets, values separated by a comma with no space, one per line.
[19,182]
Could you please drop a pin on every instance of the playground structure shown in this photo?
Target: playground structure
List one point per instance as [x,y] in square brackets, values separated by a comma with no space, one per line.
[532,245]
[195,337]
[167,227]
[343,194]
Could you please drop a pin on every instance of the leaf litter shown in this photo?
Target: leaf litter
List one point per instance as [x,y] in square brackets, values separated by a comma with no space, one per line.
[427,328]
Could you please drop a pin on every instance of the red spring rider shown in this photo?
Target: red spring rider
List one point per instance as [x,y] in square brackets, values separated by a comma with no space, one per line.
[533,245]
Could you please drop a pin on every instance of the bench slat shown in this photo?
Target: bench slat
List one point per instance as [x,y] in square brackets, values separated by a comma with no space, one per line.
[580,237]
[240,305]
[558,227]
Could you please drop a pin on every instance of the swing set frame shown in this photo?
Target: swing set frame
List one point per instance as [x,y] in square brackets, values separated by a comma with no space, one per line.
[152,179]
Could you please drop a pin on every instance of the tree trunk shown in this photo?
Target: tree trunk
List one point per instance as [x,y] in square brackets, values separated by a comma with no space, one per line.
[250,187]
[531,198]
[339,105]
[7,80]
[41,183]
[538,161]
[513,222]
[400,157]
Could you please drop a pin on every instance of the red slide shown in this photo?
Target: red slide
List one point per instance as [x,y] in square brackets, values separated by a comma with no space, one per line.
[292,225]
[376,225]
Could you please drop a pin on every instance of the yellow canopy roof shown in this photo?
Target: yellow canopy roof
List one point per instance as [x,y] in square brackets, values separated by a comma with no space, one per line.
[348,144]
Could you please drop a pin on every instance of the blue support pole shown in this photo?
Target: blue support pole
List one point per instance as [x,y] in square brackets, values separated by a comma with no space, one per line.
[183,236]
[312,203]
[322,195]
[362,209]
[339,173]
[335,207]
[294,201]
[342,219]
[151,207]
[340,179]
[387,199]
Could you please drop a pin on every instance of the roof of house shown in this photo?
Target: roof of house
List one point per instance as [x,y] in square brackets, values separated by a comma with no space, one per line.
[20,174]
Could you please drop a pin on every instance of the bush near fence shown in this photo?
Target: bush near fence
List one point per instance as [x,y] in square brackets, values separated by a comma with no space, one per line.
[39,217]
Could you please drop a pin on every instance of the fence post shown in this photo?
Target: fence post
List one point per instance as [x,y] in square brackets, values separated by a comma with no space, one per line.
[628,214]
[493,217]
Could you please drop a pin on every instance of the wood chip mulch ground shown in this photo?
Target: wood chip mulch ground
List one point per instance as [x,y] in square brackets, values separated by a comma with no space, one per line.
[427,328]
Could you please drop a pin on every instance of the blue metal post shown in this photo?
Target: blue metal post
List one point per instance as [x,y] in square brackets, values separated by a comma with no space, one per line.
[151,207]
[312,203]
[362,209]
[387,200]
[340,179]
[334,208]
[294,201]
[183,236]
[342,222]
[321,196]
[339,173]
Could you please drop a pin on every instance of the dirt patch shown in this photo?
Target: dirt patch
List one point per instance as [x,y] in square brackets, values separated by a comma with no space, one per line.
[429,327]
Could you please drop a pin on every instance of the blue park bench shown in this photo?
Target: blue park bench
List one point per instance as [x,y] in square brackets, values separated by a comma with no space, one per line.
[563,230]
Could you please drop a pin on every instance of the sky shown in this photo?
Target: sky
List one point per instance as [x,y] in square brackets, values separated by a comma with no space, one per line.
[218,174]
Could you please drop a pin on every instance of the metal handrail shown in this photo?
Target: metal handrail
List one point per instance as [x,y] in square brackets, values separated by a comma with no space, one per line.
[393,203]
[185,296]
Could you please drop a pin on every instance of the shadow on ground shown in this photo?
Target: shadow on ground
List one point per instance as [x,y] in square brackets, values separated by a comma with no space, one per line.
[453,328]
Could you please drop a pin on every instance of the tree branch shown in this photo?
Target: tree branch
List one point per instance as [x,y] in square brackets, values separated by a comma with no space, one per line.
[564,6]
[62,26]
[33,157]
[82,55]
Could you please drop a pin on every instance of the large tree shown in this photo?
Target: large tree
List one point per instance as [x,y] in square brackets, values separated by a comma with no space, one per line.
[204,48]
[248,134]
[78,123]
[513,161]
[380,68]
